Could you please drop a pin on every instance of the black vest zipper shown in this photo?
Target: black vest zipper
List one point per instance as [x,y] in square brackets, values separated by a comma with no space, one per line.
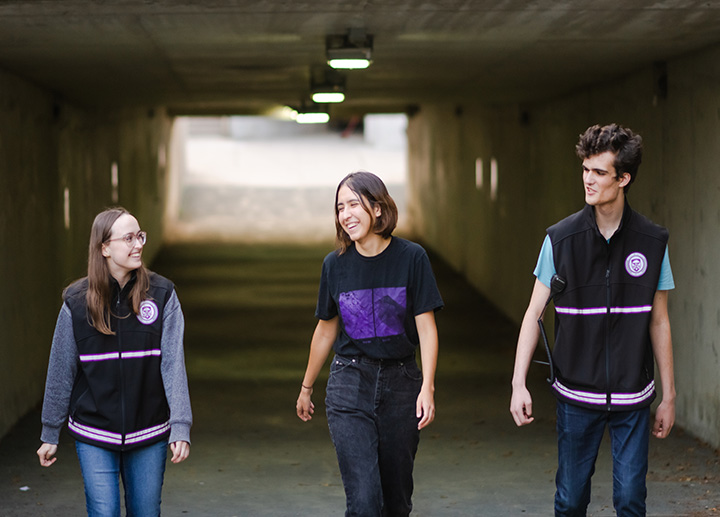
[122,375]
[607,339]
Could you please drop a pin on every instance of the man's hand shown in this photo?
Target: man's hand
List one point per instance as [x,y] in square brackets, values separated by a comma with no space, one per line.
[521,401]
[664,419]
[521,406]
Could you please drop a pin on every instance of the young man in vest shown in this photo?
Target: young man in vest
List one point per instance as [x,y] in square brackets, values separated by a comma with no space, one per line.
[612,325]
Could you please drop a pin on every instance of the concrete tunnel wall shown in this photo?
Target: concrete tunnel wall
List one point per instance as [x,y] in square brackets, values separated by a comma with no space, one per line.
[494,239]
[46,146]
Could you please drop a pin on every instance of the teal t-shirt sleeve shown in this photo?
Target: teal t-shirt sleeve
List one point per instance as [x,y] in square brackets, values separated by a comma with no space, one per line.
[666,281]
[545,268]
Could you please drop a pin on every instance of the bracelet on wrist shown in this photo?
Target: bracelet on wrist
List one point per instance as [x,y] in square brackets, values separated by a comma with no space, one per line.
[306,387]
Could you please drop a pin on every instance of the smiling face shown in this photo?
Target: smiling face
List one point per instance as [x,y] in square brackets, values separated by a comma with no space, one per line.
[603,185]
[120,258]
[354,217]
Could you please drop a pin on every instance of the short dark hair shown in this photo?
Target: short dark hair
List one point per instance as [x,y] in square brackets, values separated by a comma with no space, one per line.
[621,141]
[367,186]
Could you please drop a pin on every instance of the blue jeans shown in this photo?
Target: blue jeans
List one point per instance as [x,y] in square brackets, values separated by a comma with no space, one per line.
[371,411]
[142,472]
[580,431]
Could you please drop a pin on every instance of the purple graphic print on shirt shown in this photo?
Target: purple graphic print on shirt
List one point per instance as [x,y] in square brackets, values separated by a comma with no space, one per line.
[369,313]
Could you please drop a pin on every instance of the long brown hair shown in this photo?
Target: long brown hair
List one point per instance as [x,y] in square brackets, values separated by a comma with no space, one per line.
[99,292]
[367,186]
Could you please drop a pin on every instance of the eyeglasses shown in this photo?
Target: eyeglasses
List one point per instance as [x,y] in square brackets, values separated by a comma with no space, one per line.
[130,238]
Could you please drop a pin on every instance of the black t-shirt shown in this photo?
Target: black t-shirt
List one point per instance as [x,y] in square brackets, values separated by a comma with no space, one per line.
[377,299]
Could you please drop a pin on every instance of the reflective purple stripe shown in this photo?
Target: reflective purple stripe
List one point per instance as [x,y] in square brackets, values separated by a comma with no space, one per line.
[580,396]
[603,310]
[100,435]
[572,310]
[117,355]
[100,357]
[620,399]
[147,433]
[632,310]
[95,434]
[141,353]
[626,399]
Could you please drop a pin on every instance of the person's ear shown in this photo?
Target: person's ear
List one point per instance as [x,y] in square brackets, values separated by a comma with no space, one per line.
[378,210]
[105,252]
[625,178]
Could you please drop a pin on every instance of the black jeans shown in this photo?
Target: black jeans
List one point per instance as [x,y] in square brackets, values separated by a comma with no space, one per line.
[371,410]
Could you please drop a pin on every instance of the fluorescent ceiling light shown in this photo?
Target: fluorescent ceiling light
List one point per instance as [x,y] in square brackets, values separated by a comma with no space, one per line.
[349,64]
[312,118]
[327,86]
[324,97]
[351,51]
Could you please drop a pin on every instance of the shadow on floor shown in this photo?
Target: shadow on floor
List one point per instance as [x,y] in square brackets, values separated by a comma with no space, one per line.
[249,319]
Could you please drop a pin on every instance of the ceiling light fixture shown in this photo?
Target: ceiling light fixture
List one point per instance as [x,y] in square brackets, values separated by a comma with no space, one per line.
[312,114]
[312,118]
[327,86]
[325,97]
[351,51]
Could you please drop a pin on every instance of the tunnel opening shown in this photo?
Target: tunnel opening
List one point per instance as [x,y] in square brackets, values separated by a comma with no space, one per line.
[261,179]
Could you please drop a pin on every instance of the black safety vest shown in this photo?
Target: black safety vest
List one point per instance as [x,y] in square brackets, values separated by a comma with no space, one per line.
[118,398]
[603,353]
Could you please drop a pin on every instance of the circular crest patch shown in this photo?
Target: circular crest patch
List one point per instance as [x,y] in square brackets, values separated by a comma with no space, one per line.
[148,312]
[636,264]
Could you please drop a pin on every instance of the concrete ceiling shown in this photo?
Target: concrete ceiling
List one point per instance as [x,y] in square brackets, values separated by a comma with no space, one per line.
[247,56]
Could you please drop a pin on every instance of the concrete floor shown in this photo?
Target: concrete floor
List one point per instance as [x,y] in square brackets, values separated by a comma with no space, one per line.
[249,314]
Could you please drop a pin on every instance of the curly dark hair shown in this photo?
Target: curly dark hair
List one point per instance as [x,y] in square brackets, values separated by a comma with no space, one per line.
[621,141]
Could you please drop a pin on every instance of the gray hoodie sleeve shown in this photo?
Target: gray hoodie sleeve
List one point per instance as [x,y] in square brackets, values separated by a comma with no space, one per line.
[62,368]
[172,368]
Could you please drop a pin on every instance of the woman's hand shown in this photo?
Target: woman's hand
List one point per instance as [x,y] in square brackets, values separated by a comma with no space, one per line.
[425,407]
[427,332]
[46,453]
[180,451]
[304,407]
[322,341]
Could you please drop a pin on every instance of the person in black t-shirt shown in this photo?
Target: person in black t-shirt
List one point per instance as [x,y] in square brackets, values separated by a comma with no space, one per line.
[376,304]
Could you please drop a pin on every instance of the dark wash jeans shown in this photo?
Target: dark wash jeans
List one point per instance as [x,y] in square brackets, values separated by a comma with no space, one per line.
[373,424]
[580,431]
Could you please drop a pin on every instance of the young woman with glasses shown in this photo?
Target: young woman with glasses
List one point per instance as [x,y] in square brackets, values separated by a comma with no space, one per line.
[376,305]
[117,373]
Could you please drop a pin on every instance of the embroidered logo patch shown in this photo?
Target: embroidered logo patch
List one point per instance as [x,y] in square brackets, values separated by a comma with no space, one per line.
[636,264]
[148,312]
